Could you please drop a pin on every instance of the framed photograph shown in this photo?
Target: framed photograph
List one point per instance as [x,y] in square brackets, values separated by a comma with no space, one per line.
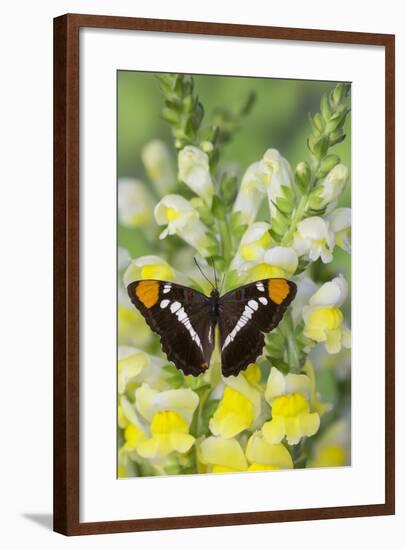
[224,274]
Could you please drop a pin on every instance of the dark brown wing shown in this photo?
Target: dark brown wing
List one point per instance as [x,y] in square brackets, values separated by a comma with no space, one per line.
[181,317]
[245,314]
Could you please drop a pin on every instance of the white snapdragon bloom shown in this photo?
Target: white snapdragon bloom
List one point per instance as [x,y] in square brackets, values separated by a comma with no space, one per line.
[278,261]
[135,203]
[276,173]
[340,223]
[315,239]
[159,165]
[149,401]
[195,173]
[182,219]
[135,365]
[323,318]
[255,241]
[332,186]
[148,267]
[250,195]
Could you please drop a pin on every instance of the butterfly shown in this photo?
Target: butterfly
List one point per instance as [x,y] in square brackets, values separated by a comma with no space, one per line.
[185,320]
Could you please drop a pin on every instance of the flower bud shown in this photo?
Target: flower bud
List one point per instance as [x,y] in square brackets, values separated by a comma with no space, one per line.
[303,175]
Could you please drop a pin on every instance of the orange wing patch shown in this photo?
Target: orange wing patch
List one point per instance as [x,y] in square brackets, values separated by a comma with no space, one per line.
[147,292]
[278,290]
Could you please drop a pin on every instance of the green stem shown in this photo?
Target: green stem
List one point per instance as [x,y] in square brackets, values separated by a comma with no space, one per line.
[300,210]
[226,240]
[298,214]
[293,358]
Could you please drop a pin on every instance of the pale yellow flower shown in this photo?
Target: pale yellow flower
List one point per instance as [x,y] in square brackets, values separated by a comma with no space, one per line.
[159,165]
[169,432]
[277,175]
[253,244]
[222,455]
[323,317]
[234,414]
[340,223]
[149,401]
[135,203]
[330,188]
[251,194]
[195,173]
[291,416]
[278,261]
[315,239]
[183,220]
[332,449]
[263,455]
[148,267]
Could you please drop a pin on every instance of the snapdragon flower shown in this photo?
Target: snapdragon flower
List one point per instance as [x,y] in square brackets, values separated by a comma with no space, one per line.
[223,455]
[330,188]
[195,173]
[323,317]
[278,261]
[291,415]
[340,223]
[251,194]
[332,449]
[227,455]
[183,220]
[148,267]
[253,244]
[278,178]
[263,455]
[159,166]
[135,203]
[315,239]
[169,413]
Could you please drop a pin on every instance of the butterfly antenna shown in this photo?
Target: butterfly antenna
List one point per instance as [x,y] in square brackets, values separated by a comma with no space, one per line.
[215,272]
[202,272]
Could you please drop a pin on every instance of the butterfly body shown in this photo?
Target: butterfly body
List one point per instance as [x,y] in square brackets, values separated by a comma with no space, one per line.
[186,320]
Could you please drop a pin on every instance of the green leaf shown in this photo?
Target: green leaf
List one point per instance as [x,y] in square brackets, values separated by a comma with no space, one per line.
[280,365]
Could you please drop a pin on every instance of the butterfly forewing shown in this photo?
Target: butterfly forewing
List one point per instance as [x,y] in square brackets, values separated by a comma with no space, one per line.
[181,317]
[245,314]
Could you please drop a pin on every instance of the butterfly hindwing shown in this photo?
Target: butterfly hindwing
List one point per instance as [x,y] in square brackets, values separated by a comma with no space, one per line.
[245,314]
[181,317]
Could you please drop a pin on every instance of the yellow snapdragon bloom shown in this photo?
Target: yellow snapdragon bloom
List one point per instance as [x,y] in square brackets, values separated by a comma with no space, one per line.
[169,432]
[323,317]
[255,241]
[263,455]
[332,449]
[291,418]
[234,414]
[226,455]
[222,455]
[293,412]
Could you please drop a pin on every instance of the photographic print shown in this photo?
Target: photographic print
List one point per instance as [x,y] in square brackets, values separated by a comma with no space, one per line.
[233,274]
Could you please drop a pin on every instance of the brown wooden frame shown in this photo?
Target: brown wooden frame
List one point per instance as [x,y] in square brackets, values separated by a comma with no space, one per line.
[66,273]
